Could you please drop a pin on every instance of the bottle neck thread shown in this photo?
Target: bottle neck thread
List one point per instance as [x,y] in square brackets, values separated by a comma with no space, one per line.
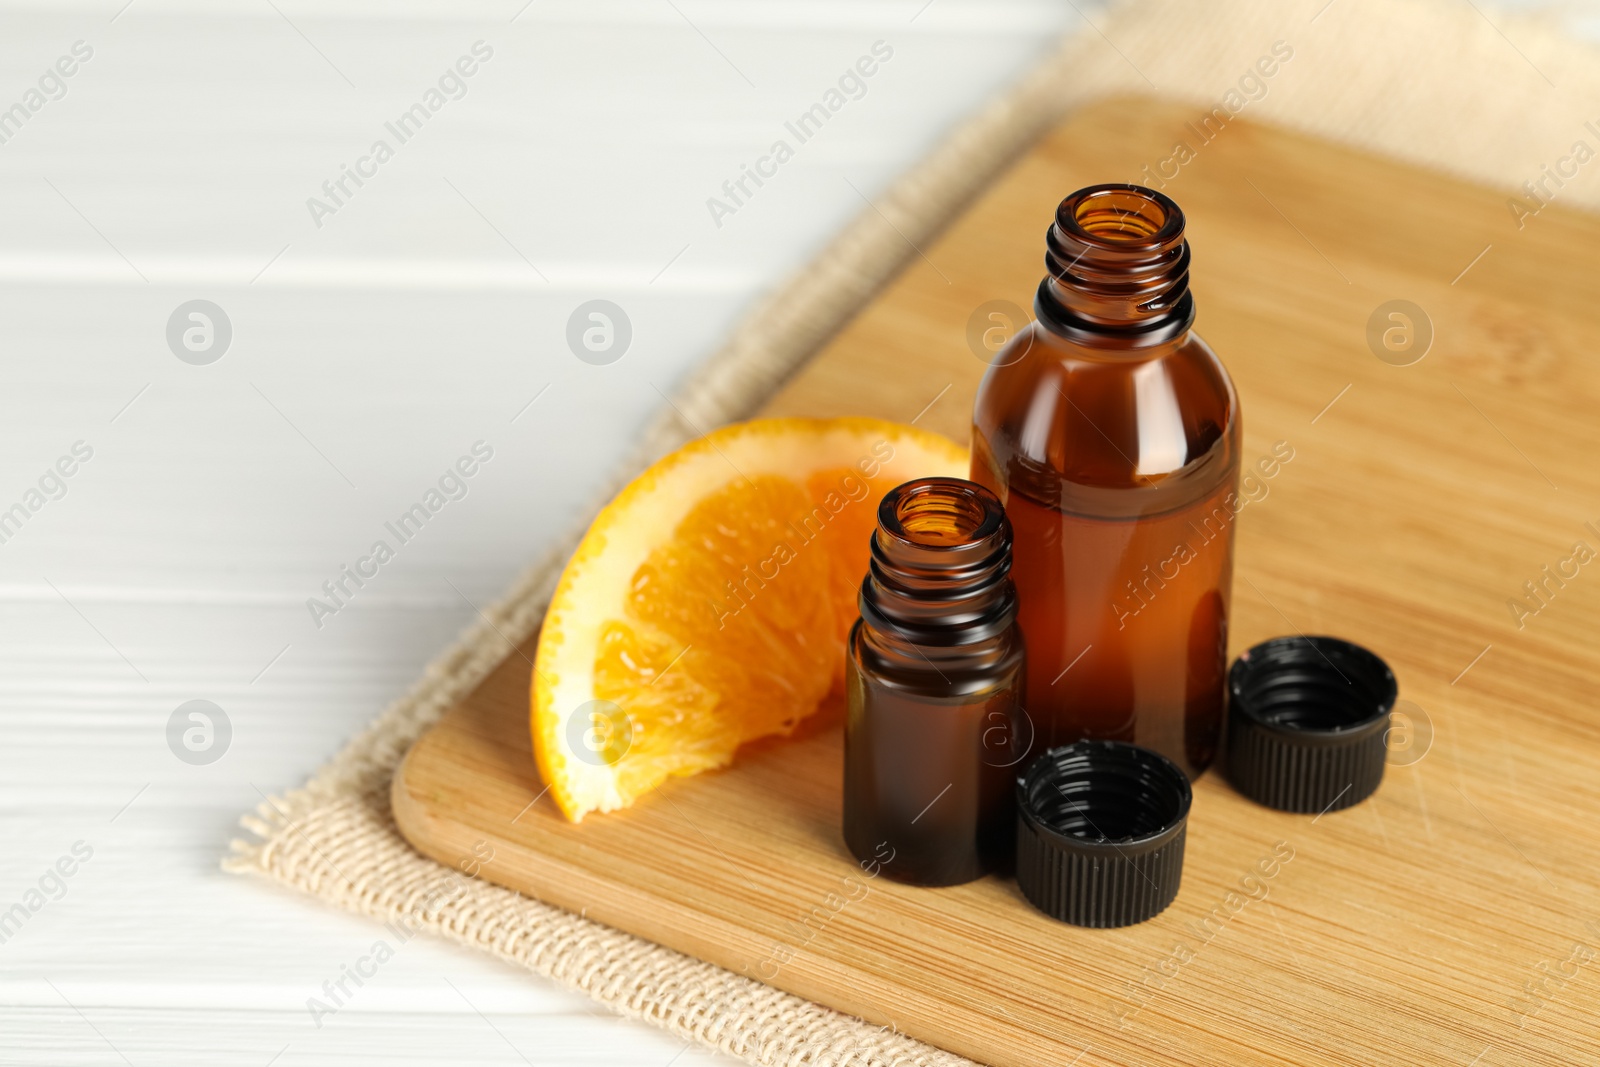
[939,575]
[1118,268]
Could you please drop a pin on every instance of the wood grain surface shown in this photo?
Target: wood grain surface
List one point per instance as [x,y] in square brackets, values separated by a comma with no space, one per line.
[1454,918]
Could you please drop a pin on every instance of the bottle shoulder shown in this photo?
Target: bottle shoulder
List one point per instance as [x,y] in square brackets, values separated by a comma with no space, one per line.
[1061,422]
[954,674]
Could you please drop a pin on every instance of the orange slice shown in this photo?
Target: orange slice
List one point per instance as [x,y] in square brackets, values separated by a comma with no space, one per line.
[709,603]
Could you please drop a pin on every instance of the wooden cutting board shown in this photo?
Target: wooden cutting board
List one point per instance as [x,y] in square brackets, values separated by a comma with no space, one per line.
[1454,918]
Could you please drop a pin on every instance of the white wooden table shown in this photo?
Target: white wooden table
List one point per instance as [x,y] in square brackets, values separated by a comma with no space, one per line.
[374,341]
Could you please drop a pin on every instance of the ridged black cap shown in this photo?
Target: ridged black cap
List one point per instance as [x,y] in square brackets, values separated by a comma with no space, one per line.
[1100,829]
[1308,719]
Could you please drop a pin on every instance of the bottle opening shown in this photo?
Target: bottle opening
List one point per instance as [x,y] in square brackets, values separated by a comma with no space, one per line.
[942,513]
[1117,259]
[1120,216]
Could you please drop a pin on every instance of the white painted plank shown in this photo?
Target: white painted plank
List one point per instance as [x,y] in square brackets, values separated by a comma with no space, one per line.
[367,355]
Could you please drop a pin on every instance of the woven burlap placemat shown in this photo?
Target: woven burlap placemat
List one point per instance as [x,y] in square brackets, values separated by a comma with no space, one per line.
[1433,82]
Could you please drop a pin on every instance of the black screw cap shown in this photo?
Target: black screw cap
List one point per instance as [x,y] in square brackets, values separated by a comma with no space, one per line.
[1100,832]
[1308,719]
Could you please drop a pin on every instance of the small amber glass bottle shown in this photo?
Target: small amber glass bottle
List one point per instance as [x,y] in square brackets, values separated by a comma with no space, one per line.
[934,671]
[1111,432]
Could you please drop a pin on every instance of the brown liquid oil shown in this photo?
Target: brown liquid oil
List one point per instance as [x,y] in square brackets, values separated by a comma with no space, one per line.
[932,741]
[1111,433]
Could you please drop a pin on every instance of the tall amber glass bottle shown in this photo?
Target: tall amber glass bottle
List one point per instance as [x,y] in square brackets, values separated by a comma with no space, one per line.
[934,670]
[1111,433]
